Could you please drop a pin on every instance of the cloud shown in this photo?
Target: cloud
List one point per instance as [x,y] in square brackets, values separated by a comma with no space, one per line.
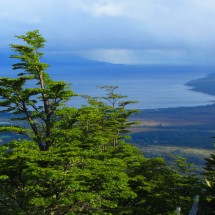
[162,30]
[140,56]
[97,8]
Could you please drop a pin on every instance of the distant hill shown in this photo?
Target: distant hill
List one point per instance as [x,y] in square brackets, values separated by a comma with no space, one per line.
[204,85]
[54,59]
[68,59]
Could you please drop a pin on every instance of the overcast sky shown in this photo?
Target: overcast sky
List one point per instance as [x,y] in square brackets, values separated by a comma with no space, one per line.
[117,31]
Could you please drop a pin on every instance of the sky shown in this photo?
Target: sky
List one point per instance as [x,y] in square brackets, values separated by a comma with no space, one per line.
[116,31]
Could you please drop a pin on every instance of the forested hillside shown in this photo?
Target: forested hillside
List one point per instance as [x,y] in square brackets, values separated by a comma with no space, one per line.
[75,160]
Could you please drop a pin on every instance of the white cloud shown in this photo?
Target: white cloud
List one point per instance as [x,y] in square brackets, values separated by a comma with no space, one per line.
[97,8]
[106,9]
[120,27]
[24,11]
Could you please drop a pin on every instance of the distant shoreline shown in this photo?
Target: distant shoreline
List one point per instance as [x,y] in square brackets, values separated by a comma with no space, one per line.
[204,85]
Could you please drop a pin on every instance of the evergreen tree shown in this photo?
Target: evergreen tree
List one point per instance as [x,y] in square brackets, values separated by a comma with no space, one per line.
[62,167]
[35,105]
[161,188]
[210,184]
[76,161]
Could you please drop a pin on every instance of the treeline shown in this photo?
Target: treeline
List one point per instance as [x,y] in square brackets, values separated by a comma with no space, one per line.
[75,160]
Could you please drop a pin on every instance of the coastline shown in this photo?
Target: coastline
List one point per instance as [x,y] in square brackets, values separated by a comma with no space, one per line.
[204,85]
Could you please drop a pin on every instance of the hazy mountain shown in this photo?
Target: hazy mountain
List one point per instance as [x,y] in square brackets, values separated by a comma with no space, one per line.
[68,59]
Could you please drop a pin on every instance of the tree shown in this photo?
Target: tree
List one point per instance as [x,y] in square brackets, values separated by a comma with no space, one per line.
[160,187]
[37,105]
[209,175]
[61,167]
[112,115]
[76,161]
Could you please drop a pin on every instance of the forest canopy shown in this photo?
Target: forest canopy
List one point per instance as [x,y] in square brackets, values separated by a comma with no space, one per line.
[76,160]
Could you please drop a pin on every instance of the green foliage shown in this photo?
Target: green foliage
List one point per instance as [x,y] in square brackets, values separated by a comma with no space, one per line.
[113,115]
[64,167]
[209,175]
[36,105]
[160,188]
[75,161]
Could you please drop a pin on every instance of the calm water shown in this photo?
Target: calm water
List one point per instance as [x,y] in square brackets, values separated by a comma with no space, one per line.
[153,87]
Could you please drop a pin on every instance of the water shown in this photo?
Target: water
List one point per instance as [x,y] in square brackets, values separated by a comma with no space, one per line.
[151,86]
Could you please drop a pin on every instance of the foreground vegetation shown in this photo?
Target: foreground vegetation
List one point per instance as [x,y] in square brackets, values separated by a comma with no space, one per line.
[76,161]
